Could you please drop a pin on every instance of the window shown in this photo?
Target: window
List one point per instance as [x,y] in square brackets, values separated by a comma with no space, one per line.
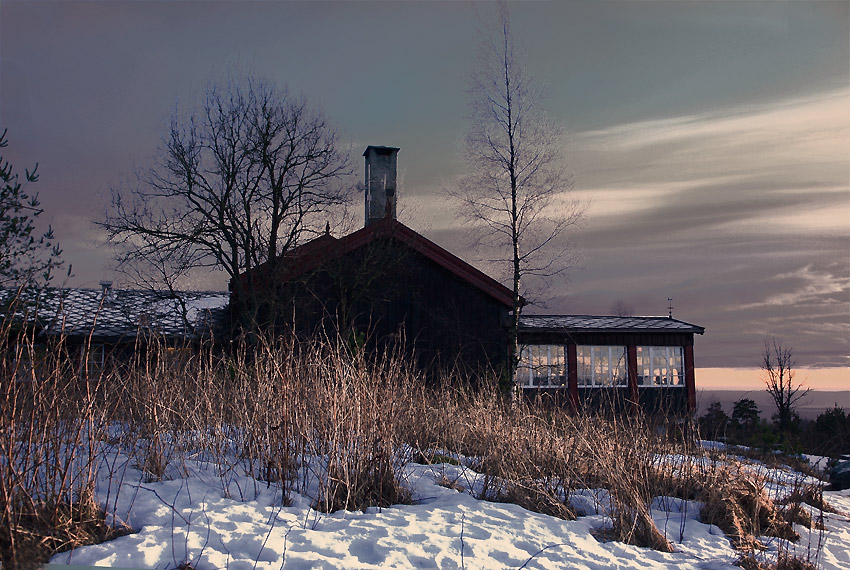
[660,366]
[601,366]
[93,362]
[542,366]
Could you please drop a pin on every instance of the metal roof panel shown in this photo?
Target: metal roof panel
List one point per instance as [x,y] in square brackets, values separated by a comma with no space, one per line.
[594,323]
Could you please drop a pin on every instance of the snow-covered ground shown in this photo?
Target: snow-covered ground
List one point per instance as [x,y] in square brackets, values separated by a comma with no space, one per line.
[193,519]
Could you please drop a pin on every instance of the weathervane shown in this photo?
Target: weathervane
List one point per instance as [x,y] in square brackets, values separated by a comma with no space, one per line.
[669,307]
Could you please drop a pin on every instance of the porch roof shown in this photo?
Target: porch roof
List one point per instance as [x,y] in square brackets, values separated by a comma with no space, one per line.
[605,324]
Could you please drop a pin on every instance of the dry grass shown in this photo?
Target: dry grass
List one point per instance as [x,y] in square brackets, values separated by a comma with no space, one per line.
[736,501]
[811,495]
[52,424]
[317,416]
[783,562]
[48,528]
[257,411]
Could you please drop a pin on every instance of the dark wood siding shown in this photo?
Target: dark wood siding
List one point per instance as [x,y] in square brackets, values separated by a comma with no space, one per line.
[656,401]
[393,295]
[672,401]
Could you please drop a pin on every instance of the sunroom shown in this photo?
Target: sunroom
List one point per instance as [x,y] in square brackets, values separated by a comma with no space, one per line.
[590,361]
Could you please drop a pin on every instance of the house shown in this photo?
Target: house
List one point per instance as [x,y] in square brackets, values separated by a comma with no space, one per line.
[393,284]
[387,286]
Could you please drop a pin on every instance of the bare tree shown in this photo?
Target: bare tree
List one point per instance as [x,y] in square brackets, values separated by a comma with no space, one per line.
[236,185]
[621,308]
[515,190]
[779,378]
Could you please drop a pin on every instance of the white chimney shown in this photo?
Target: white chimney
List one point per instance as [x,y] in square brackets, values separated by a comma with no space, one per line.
[381,187]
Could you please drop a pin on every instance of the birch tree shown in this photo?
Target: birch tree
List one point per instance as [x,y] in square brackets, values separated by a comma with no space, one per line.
[515,190]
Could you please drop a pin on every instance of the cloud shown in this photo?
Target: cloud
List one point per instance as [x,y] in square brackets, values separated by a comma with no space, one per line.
[740,172]
[808,286]
[741,215]
[778,153]
[802,129]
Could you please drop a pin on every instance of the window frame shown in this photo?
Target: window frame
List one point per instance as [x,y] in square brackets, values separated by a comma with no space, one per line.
[604,371]
[555,364]
[660,366]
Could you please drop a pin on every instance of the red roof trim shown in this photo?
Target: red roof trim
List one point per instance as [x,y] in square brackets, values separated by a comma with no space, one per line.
[315,253]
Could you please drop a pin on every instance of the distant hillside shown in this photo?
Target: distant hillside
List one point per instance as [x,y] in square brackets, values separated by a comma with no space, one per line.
[812,404]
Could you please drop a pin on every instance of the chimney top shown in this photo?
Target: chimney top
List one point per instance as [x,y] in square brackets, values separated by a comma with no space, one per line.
[382,150]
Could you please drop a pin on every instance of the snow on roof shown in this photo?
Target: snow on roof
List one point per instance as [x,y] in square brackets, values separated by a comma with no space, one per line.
[122,313]
[590,323]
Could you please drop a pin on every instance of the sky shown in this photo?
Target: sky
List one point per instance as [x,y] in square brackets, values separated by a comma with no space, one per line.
[710,140]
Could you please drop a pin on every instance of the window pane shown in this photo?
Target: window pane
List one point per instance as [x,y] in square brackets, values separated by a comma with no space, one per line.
[542,366]
[559,374]
[676,366]
[533,356]
[660,366]
[601,365]
[524,367]
[558,361]
[641,365]
[618,365]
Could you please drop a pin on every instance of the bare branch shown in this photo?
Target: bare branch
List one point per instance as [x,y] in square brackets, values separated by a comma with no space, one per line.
[234,185]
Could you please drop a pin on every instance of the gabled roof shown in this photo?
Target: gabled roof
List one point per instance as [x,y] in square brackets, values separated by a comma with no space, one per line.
[122,313]
[319,251]
[590,323]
